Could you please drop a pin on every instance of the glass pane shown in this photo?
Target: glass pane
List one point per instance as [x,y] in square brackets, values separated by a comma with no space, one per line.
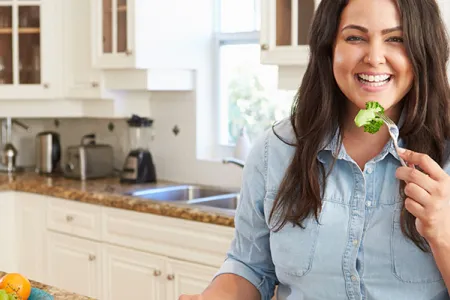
[107,26]
[6,53]
[238,15]
[305,15]
[121,25]
[29,45]
[284,21]
[249,93]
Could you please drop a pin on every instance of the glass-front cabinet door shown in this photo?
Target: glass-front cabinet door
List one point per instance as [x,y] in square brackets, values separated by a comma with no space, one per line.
[113,47]
[21,50]
[284,30]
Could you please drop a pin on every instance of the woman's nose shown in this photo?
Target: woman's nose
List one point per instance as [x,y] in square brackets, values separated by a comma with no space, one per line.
[375,54]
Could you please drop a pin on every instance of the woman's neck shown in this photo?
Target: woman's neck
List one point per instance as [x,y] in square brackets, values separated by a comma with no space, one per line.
[362,146]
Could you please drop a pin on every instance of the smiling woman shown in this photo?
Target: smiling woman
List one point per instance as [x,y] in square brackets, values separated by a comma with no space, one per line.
[325,211]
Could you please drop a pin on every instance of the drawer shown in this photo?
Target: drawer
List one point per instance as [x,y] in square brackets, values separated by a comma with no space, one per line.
[182,239]
[75,218]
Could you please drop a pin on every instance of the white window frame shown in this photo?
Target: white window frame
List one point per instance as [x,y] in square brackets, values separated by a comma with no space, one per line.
[221,107]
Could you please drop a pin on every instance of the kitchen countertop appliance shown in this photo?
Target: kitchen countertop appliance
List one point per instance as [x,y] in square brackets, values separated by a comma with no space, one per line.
[89,160]
[48,152]
[138,166]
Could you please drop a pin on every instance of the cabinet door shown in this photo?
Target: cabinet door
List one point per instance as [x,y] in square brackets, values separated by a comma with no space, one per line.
[187,278]
[113,25]
[73,264]
[29,49]
[32,233]
[284,31]
[82,80]
[131,274]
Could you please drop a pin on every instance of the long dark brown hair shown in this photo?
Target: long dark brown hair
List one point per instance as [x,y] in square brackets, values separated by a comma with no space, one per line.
[319,108]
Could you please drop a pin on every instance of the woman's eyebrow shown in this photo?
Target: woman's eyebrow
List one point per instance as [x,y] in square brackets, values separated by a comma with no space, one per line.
[365,30]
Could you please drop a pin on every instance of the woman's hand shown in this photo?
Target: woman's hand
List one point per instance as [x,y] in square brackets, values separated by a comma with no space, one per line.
[428,196]
[191,297]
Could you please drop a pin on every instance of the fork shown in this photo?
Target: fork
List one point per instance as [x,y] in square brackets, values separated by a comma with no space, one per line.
[394,133]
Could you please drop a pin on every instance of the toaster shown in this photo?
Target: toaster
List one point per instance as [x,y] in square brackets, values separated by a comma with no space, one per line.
[87,161]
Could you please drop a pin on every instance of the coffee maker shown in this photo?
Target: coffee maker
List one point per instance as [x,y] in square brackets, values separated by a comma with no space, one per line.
[138,166]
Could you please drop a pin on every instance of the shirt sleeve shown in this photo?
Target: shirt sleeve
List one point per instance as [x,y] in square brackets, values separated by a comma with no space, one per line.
[249,255]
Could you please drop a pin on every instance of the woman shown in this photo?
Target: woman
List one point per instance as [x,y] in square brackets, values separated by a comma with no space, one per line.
[327,211]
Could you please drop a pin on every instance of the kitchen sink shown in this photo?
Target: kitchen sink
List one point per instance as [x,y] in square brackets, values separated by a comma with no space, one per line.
[227,201]
[180,193]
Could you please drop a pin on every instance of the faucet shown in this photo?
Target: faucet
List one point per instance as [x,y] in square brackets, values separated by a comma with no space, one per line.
[233,160]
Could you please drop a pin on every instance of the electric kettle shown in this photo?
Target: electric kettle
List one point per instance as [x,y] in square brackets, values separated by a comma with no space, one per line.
[48,152]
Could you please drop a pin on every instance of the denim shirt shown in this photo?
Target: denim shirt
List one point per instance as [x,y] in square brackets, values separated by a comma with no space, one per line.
[357,252]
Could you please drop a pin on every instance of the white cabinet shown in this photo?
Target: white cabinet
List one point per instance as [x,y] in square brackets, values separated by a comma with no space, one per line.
[9,237]
[187,278]
[284,31]
[31,217]
[131,274]
[74,264]
[82,80]
[30,52]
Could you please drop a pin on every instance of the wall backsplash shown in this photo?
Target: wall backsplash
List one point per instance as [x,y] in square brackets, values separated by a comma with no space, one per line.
[71,131]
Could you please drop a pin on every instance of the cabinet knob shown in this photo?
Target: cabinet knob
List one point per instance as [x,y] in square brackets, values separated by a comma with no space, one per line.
[46,85]
[264,47]
[170,277]
[157,273]
[94,84]
[69,218]
[92,257]
[128,52]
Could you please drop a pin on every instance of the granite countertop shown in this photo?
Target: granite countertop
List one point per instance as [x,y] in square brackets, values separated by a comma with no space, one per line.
[58,294]
[110,192]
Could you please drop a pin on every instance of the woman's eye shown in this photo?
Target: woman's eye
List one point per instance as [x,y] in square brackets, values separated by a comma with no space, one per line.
[354,39]
[396,39]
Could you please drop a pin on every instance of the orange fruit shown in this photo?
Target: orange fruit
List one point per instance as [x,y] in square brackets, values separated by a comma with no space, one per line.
[16,284]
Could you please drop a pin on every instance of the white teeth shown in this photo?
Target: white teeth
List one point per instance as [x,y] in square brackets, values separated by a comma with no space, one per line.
[371,78]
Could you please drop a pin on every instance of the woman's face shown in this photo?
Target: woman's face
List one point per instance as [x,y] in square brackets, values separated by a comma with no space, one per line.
[370,61]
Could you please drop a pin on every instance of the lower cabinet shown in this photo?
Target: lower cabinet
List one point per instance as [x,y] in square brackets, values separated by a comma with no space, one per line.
[74,264]
[111,254]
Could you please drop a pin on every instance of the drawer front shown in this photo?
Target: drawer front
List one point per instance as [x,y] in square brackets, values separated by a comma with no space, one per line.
[79,219]
[183,239]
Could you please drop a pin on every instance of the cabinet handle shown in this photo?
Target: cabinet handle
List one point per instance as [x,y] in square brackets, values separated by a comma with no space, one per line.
[157,273]
[46,85]
[91,257]
[94,84]
[69,218]
[128,52]
[170,277]
[264,47]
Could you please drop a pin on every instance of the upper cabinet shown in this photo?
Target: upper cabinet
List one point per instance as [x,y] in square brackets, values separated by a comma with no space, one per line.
[284,31]
[29,49]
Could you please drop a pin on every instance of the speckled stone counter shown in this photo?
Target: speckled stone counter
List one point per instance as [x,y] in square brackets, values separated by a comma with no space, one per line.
[57,294]
[110,192]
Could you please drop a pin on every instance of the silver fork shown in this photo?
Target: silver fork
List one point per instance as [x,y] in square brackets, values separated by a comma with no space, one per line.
[394,132]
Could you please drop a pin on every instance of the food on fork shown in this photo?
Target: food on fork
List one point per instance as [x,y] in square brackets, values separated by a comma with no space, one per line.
[368,117]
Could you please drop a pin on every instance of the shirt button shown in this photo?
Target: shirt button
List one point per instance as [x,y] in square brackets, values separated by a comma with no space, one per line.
[369,170]
[355,242]
[368,203]
[354,278]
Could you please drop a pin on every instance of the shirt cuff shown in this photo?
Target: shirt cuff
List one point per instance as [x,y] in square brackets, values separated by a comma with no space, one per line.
[238,268]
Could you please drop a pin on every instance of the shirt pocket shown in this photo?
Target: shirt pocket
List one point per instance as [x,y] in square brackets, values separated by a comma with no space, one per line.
[409,263]
[292,247]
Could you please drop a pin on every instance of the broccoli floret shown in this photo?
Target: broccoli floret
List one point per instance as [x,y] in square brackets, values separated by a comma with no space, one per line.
[368,118]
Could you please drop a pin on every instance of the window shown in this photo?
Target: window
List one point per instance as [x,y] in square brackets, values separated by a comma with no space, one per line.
[247,90]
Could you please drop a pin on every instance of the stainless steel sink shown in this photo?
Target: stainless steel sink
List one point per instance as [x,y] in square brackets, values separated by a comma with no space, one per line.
[227,201]
[180,193]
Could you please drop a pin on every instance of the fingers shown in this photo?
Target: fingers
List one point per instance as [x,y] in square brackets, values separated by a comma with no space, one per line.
[417,177]
[190,297]
[415,208]
[425,162]
[421,196]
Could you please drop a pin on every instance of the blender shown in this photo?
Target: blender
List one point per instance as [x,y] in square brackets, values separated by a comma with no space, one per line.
[138,166]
